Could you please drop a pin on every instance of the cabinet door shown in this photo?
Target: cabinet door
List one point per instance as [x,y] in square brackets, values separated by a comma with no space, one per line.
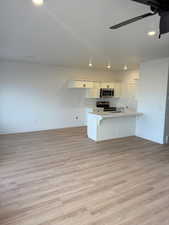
[88,84]
[96,84]
[93,93]
[83,84]
[132,90]
[117,90]
[80,84]
[107,85]
[75,84]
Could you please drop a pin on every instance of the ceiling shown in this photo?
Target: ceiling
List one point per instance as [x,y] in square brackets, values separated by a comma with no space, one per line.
[70,33]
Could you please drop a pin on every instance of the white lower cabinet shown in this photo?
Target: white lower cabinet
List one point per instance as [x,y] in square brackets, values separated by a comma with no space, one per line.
[108,126]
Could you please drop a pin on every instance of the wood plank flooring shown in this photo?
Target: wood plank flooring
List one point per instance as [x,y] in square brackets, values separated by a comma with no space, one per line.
[63,178]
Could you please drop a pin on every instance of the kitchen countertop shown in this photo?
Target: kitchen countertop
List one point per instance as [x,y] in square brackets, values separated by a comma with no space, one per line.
[115,114]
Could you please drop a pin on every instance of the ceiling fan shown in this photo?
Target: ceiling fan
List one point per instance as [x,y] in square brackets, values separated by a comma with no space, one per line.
[160,7]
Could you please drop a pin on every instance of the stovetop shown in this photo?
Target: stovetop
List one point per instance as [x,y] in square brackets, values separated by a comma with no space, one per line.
[110,109]
[105,106]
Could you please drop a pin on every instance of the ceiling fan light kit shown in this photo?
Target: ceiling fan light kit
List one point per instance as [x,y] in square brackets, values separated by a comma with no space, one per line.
[38,2]
[151,33]
[160,7]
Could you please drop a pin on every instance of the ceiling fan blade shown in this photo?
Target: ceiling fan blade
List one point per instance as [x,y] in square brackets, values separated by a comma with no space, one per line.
[131,20]
[164,23]
[154,3]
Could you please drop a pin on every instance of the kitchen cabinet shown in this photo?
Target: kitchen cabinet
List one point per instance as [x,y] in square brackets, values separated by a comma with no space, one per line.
[132,89]
[96,84]
[90,84]
[93,87]
[80,84]
[106,125]
[117,90]
[93,93]
[106,85]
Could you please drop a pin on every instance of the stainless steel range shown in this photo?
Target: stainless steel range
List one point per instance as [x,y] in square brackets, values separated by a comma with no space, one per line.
[105,105]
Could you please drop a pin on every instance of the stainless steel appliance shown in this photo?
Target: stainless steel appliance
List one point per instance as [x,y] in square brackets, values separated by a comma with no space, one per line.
[106,93]
[105,105]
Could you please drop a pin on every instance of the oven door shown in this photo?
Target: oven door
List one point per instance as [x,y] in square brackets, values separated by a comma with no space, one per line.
[106,93]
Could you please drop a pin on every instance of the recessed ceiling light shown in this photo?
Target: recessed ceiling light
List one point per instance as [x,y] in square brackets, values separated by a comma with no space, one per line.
[151,33]
[108,67]
[125,67]
[38,2]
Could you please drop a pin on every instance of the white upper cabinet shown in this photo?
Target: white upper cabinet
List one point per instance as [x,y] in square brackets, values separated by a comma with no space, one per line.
[90,84]
[93,87]
[106,85]
[80,84]
[131,90]
[96,84]
[117,90]
[93,93]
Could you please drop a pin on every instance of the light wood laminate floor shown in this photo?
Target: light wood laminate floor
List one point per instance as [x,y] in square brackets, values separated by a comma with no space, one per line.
[63,178]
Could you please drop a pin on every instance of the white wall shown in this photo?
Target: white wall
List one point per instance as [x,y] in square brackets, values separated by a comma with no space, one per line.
[34,97]
[129,85]
[152,100]
[167,115]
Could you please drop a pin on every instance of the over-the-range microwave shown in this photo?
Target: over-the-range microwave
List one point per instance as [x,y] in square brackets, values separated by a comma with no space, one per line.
[106,93]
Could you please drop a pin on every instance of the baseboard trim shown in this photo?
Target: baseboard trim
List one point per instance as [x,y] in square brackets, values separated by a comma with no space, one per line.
[41,131]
